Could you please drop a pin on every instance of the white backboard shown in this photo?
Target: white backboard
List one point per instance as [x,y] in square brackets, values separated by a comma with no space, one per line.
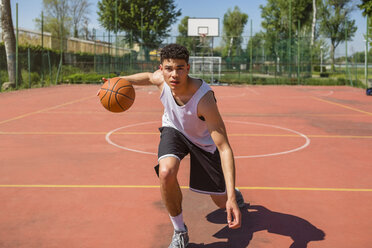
[207,26]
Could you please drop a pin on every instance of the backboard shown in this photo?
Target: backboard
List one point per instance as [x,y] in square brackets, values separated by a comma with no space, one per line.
[203,27]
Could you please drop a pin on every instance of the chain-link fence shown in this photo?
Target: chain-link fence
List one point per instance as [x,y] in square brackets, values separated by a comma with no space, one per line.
[44,60]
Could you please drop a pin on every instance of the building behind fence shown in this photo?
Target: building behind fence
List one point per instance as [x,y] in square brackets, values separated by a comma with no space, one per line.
[71,45]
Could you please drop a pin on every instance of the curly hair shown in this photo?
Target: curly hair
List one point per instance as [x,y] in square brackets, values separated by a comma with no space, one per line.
[174,51]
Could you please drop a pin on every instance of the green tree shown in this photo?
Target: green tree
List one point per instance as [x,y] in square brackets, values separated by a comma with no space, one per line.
[9,41]
[366,7]
[257,42]
[280,22]
[277,14]
[336,23]
[145,21]
[233,26]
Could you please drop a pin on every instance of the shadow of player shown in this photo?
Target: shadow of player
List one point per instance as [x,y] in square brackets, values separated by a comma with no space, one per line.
[259,218]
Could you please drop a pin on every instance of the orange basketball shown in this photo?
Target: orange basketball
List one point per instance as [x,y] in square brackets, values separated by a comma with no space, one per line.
[117,94]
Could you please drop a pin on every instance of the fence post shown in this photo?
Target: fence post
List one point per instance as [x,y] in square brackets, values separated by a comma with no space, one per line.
[60,61]
[356,69]
[116,36]
[366,58]
[42,48]
[109,52]
[29,67]
[347,73]
[95,59]
[16,77]
[298,52]
[50,68]
[251,64]
[290,41]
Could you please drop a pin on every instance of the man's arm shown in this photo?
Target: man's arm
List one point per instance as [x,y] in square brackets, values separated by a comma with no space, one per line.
[207,108]
[146,78]
[143,78]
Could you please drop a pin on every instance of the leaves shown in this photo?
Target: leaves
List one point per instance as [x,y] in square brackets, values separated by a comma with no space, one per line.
[366,6]
[145,21]
[336,22]
[233,26]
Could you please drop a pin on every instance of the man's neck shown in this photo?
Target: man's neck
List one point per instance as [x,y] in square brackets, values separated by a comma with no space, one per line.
[182,96]
[186,90]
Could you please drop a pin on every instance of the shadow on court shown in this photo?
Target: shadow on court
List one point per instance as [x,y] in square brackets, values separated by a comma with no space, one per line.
[259,218]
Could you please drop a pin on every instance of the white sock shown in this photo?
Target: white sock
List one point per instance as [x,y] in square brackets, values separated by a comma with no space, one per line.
[178,223]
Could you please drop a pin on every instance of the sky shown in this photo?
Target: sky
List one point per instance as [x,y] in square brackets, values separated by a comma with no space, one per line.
[28,10]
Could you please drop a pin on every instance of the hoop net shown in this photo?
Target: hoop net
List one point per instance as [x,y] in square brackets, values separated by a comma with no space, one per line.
[202,37]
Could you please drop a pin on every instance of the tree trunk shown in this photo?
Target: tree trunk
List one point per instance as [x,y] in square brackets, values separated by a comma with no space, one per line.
[76,31]
[9,40]
[314,23]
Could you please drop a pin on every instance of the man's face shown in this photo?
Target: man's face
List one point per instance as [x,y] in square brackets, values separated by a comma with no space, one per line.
[175,72]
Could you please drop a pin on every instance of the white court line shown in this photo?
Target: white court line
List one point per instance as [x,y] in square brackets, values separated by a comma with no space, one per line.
[327,94]
[126,148]
[252,90]
[307,140]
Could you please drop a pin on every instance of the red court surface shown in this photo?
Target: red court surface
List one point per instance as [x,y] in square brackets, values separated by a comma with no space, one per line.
[75,175]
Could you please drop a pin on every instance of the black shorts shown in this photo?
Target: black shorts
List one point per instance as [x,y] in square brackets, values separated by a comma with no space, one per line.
[206,174]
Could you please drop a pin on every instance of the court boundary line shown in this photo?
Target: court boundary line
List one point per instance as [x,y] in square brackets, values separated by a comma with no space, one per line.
[184,187]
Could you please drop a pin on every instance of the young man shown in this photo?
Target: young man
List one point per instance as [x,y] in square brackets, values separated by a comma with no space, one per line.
[191,123]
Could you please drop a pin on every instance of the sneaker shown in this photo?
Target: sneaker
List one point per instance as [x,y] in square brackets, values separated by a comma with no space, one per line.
[239,198]
[180,239]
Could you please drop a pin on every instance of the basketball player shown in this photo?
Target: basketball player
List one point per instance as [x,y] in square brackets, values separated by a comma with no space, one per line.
[191,124]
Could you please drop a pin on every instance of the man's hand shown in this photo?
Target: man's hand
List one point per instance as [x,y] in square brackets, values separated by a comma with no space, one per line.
[234,217]
[157,77]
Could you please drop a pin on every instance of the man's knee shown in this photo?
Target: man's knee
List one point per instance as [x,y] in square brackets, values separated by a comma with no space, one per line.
[168,168]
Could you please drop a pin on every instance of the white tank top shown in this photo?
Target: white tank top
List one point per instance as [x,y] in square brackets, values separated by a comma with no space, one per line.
[185,118]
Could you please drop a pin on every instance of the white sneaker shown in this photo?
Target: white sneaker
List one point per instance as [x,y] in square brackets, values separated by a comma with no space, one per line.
[180,239]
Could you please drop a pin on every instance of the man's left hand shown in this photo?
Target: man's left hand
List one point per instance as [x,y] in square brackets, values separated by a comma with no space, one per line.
[234,216]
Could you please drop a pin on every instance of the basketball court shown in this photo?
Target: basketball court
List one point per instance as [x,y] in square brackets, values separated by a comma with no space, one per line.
[73,174]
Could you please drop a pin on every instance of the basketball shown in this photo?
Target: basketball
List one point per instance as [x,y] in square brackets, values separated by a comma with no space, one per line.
[117,95]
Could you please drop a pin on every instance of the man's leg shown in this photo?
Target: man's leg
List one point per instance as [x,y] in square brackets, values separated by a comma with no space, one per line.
[172,198]
[169,187]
